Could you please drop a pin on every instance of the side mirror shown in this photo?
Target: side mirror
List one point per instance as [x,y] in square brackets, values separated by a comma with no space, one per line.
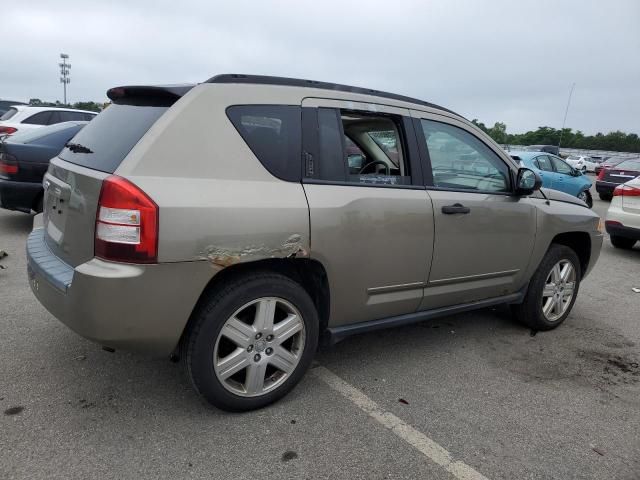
[527,182]
[576,173]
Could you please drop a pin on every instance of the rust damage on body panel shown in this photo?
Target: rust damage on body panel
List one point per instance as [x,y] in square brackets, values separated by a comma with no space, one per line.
[223,257]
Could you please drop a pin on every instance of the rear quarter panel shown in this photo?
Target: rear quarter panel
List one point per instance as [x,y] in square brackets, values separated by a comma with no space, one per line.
[217,201]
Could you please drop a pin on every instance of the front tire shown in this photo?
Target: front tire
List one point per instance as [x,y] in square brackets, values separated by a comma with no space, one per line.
[622,242]
[552,290]
[252,342]
[585,196]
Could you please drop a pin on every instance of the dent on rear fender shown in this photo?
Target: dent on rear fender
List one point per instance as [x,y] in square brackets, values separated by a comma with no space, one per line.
[223,256]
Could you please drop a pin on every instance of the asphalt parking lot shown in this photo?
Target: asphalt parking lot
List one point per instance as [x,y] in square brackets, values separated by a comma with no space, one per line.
[469,396]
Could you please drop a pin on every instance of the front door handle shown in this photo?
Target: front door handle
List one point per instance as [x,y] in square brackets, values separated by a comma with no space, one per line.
[455,208]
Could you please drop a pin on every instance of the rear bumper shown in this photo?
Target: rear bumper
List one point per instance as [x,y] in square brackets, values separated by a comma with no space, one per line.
[133,307]
[605,187]
[19,195]
[622,231]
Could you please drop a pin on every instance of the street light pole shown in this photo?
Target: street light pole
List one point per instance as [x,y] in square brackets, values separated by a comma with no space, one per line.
[573,85]
[64,71]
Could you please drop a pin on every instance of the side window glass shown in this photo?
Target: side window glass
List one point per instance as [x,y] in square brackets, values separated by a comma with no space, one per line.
[561,167]
[71,116]
[544,163]
[41,118]
[361,148]
[273,133]
[460,161]
[55,117]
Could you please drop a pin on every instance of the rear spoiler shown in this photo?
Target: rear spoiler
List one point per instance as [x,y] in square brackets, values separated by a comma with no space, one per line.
[151,96]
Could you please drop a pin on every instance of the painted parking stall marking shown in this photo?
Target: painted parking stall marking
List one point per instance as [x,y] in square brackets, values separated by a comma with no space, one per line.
[418,440]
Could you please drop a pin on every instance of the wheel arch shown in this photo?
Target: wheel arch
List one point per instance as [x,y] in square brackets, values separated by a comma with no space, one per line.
[579,242]
[309,273]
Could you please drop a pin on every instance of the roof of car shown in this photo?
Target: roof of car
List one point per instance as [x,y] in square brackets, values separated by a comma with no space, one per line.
[299,82]
[22,108]
[525,154]
[167,94]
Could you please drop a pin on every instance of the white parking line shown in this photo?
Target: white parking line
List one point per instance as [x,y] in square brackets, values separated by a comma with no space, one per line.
[413,437]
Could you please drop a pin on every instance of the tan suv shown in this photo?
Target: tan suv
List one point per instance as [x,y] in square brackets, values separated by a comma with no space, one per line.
[238,222]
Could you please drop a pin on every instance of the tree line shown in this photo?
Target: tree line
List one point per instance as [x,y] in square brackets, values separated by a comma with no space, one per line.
[91,106]
[613,141]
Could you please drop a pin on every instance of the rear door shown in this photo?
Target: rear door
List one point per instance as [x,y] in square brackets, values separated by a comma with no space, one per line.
[563,179]
[371,219]
[483,234]
[547,173]
[74,179]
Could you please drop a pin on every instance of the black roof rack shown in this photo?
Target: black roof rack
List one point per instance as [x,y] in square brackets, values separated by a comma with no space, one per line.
[298,82]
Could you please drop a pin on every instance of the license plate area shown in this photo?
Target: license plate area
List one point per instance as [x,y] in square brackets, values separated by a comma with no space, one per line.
[56,205]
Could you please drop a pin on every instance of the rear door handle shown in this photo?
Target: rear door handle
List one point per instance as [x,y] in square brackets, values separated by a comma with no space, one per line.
[455,208]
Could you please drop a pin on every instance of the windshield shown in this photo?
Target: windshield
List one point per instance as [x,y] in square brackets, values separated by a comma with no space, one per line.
[108,138]
[8,114]
[573,157]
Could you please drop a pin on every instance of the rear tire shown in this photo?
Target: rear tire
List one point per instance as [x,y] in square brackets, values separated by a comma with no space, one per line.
[622,242]
[605,196]
[263,371]
[548,288]
[38,207]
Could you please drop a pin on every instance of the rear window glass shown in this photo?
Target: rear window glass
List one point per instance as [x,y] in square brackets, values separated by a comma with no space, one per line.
[29,136]
[629,165]
[111,135]
[8,114]
[273,133]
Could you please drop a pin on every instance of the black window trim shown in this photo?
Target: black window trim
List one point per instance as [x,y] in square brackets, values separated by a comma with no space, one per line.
[426,161]
[406,130]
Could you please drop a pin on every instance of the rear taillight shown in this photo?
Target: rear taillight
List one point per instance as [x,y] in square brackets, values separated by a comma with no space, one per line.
[600,174]
[126,223]
[8,164]
[626,191]
[7,130]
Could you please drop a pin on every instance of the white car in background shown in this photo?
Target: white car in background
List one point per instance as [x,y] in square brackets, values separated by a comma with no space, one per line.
[24,117]
[581,162]
[623,217]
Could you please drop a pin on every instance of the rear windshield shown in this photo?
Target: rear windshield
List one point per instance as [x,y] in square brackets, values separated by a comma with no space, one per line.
[29,136]
[629,165]
[110,136]
[8,114]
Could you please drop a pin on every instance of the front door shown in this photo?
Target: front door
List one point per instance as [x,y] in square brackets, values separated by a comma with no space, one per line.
[483,234]
[371,219]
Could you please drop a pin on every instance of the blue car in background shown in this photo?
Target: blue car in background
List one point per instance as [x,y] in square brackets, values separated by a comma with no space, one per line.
[556,174]
[24,159]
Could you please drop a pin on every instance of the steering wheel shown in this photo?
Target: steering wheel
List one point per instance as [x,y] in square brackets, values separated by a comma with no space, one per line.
[376,162]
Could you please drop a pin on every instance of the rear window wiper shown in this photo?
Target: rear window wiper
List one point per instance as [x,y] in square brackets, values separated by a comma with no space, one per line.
[77,148]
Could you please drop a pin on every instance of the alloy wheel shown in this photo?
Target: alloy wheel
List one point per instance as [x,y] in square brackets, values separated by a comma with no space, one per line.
[559,289]
[259,346]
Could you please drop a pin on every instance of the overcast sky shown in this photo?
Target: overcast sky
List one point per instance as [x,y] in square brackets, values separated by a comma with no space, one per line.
[510,61]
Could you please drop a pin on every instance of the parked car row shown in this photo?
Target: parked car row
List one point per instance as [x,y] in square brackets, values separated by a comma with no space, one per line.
[24,159]
[609,178]
[7,104]
[23,117]
[623,217]
[556,174]
[582,162]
